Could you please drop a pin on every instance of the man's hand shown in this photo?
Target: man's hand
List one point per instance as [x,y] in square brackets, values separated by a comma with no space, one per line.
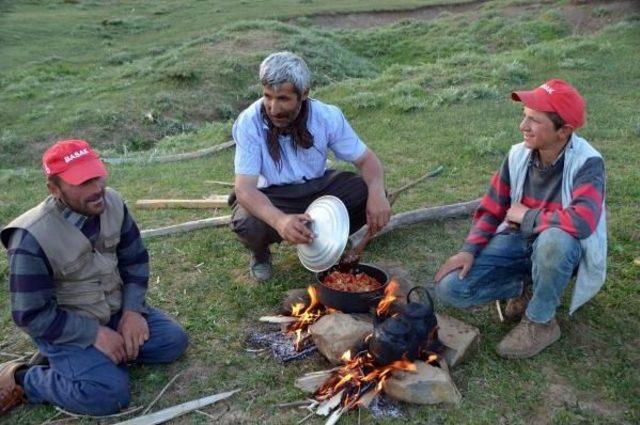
[378,211]
[462,260]
[515,213]
[111,344]
[293,228]
[134,330]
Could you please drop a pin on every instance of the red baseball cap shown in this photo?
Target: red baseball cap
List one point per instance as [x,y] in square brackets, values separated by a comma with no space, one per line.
[74,161]
[555,96]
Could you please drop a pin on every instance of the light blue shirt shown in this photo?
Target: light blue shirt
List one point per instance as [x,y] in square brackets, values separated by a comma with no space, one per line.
[326,123]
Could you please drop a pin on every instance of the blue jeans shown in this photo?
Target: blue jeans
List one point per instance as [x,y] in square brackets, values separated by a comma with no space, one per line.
[499,268]
[85,381]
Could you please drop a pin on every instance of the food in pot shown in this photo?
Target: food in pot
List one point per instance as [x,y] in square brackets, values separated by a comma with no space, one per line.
[348,282]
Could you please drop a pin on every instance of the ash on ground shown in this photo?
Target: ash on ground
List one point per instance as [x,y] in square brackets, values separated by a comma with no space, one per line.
[281,345]
[383,406]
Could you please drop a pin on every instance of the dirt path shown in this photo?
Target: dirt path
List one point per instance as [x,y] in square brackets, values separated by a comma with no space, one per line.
[584,15]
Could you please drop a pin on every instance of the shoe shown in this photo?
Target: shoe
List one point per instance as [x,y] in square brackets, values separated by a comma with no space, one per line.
[528,338]
[260,270]
[11,394]
[516,307]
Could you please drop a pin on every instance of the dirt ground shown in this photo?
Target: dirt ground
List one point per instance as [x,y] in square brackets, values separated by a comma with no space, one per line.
[584,15]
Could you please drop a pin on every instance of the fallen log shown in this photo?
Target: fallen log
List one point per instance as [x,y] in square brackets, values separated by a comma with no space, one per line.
[397,221]
[187,227]
[175,411]
[215,201]
[418,216]
[171,158]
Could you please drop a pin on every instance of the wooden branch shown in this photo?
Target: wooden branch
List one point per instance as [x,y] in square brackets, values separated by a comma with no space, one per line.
[295,403]
[393,196]
[171,158]
[215,201]
[175,411]
[278,319]
[335,416]
[328,405]
[397,221]
[418,216]
[155,400]
[187,227]
[310,382]
[219,183]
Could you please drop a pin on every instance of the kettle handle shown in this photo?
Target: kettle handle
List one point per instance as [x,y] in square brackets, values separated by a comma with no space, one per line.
[423,289]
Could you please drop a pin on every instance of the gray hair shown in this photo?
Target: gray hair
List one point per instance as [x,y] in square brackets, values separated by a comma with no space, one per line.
[285,67]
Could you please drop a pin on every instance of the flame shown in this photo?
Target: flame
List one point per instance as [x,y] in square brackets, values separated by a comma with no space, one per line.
[307,315]
[346,357]
[389,297]
[358,376]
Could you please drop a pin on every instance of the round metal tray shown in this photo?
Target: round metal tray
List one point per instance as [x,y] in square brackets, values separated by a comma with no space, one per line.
[331,228]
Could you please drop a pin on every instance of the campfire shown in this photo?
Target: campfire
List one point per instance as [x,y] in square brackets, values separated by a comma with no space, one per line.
[362,375]
[392,353]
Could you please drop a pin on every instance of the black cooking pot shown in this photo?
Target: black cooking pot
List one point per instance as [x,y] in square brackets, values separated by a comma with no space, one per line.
[352,302]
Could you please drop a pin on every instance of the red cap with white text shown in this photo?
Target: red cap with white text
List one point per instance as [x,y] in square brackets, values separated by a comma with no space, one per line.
[555,96]
[74,161]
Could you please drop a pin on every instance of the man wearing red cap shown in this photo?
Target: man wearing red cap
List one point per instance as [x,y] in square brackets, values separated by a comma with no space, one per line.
[78,277]
[541,222]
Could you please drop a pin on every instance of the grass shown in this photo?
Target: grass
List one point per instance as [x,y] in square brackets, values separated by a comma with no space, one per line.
[421,94]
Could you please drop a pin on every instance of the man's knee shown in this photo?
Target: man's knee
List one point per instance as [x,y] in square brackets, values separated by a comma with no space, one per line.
[100,397]
[177,342]
[245,225]
[452,291]
[554,247]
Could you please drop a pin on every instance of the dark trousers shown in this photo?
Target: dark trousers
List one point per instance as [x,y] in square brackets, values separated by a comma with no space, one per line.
[257,235]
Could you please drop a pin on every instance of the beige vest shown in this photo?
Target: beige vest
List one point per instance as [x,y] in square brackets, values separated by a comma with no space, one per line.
[87,280]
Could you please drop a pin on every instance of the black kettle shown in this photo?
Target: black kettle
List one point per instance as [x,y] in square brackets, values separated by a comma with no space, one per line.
[389,341]
[408,334]
[424,324]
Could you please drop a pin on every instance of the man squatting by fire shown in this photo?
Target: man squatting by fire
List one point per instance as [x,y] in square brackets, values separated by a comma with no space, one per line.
[542,220]
[78,274]
[282,141]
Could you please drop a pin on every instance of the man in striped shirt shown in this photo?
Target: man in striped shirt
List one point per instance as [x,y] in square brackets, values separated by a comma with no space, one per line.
[541,220]
[78,277]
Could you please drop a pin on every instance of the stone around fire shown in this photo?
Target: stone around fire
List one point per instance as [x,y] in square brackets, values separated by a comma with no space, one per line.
[458,337]
[337,332]
[427,385]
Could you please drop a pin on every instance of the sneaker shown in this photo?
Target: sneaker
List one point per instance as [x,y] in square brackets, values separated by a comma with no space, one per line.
[528,338]
[516,307]
[11,394]
[260,271]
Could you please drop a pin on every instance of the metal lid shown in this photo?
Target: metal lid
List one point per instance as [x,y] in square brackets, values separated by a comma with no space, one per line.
[331,228]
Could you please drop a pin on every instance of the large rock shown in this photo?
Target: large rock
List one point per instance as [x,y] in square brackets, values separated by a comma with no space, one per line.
[337,332]
[427,385]
[458,337]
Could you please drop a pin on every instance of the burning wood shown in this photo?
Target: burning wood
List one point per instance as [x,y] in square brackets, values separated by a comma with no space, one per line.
[306,316]
[357,382]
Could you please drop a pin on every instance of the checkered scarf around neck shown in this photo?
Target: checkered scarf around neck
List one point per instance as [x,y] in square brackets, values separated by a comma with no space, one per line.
[300,136]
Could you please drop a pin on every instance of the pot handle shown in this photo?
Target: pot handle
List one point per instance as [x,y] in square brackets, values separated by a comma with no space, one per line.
[421,289]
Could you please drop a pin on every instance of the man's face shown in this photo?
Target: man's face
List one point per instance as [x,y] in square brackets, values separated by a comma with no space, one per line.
[86,198]
[539,132]
[282,105]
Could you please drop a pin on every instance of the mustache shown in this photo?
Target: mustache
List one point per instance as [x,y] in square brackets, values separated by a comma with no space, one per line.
[95,197]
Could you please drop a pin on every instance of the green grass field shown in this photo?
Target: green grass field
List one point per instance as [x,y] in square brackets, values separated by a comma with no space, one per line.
[161,77]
